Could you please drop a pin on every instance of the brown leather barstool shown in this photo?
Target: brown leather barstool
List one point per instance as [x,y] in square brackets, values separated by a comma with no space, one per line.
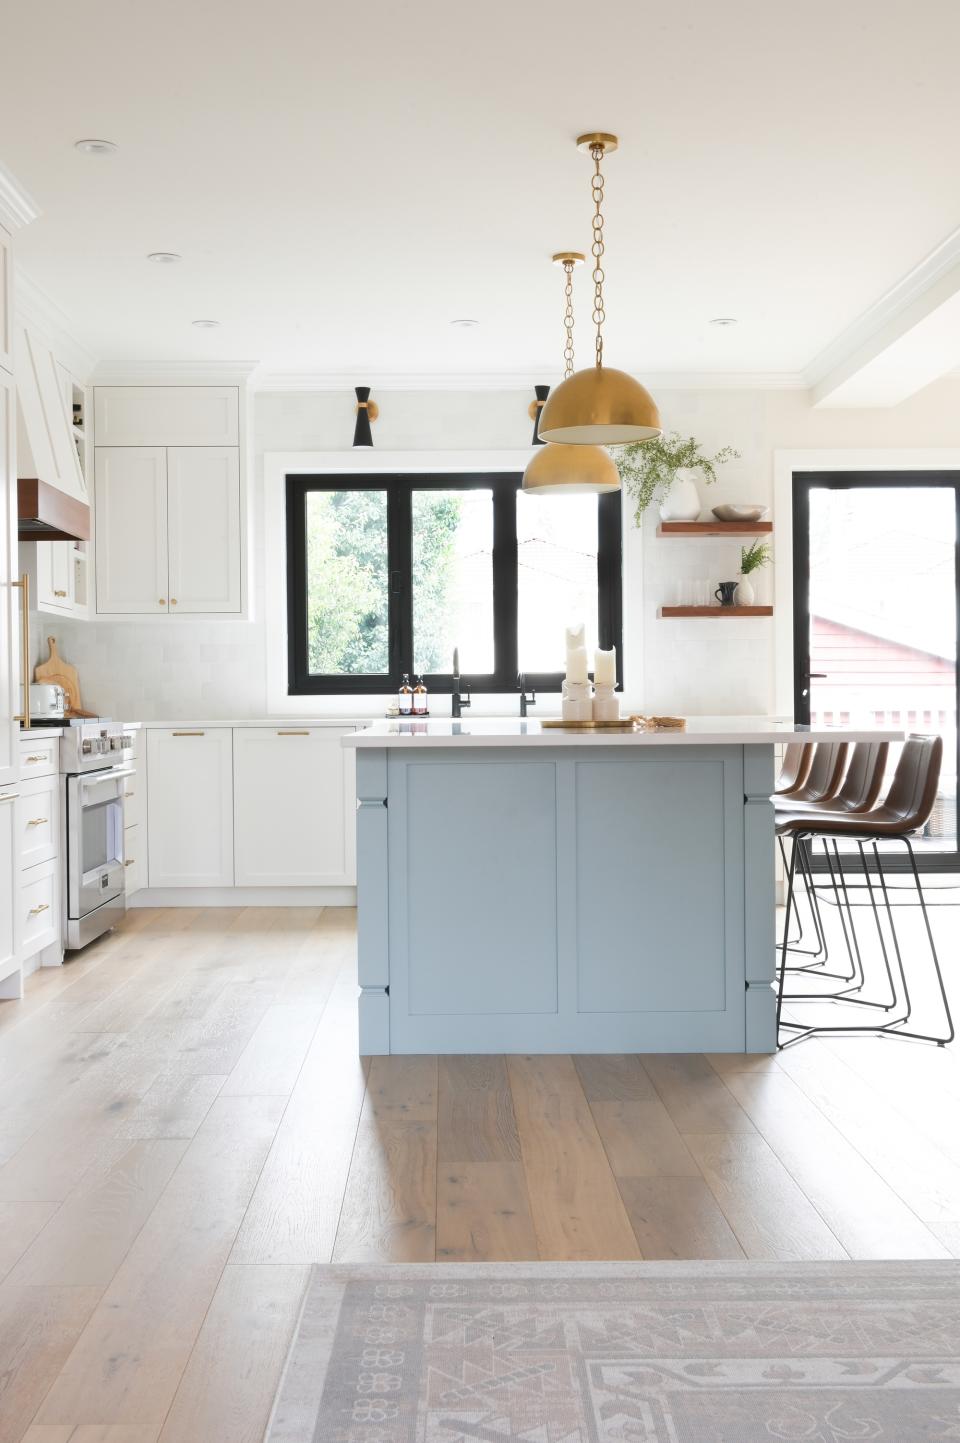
[859,792]
[824,777]
[903,813]
[795,768]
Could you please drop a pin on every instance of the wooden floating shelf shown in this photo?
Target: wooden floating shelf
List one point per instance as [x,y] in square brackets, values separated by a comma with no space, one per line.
[714,528]
[715,611]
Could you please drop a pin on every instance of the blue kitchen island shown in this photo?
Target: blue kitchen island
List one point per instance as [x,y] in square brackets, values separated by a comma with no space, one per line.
[530,890]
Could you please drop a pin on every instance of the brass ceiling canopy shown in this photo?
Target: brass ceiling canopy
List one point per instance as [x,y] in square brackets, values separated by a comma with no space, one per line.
[570,470]
[601,406]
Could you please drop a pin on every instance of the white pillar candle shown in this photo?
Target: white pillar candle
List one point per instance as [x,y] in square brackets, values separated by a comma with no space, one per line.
[575,638]
[605,667]
[577,664]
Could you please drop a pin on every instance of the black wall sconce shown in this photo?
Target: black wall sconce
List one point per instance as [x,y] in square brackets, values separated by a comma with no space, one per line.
[367,411]
[534,409]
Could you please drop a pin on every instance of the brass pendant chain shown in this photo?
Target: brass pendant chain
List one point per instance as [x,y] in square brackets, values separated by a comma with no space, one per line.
[599,315]
[568,320]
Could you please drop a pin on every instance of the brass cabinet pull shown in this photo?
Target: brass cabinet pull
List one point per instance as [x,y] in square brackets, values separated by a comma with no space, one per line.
[9,796]
[293,734]
[129,862]
[36,757]
[41,907]
[38,821]
[189,734]
[128,794]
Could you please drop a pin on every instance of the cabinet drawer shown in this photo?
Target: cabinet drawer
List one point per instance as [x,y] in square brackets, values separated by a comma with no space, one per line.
[39,756]
[167,415]
[38,830]
[38,920]
[133,798]
[134,870]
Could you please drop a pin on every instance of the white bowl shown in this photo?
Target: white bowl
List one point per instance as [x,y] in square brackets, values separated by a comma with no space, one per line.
[738,513]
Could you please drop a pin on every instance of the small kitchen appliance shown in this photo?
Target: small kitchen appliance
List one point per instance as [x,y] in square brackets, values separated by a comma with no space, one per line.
[47,704]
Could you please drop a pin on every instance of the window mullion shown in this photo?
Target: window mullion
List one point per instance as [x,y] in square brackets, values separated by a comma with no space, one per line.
[505,584]
[400,558]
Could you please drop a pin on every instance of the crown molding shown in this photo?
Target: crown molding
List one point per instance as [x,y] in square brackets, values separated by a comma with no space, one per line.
[34,306]
[17,208]
[172,373]
[266,379]
[842,354]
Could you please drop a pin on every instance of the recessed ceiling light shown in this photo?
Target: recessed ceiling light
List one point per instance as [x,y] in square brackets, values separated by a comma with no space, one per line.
[464,322]
[205,325]
[724,321]
[95,147]
[164,258]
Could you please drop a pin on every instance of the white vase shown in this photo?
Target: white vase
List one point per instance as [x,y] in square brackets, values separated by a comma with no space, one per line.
[744,594]
[682,501]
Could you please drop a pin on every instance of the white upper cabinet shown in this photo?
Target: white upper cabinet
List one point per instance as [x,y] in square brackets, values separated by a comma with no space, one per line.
[131,529]
[55,575]
[6,301]
[10,598]
[203,521]
[190,812]
[294,807]
[167,416]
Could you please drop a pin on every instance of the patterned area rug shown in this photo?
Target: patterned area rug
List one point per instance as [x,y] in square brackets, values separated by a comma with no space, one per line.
[625,1353]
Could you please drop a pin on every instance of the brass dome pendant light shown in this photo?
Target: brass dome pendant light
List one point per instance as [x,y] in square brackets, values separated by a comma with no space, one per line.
[570,470]
[600,406]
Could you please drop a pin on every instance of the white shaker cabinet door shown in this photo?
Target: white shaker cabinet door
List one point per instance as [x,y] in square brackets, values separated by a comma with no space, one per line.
[294,807]
[131,525]
[10,597]
[9,877]
[190,807]
[167,415]
[203,514]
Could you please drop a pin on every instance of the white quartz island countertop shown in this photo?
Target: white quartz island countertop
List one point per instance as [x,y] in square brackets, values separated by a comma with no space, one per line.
[527,732]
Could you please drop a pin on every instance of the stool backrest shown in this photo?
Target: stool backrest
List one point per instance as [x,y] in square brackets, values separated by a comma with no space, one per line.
[826,773]
[864,779]
[913,790]
[797,758]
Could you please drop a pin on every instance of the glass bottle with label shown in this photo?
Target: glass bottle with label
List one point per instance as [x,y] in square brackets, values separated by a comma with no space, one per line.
[420,698]
[405,696]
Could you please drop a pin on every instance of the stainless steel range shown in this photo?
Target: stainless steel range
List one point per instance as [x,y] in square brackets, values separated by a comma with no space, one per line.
[94,760]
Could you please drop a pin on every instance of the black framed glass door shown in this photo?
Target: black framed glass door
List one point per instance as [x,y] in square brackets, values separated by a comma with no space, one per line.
[876,583]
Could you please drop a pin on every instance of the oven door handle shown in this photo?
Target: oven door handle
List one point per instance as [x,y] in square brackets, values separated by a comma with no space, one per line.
[111,774]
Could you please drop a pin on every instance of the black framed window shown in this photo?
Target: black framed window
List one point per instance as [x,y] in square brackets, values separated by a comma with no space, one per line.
[386,574]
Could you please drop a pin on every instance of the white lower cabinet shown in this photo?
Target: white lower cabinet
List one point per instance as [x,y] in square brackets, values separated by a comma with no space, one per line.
[133,870]
[293,807]
[190,814]
[9,961]
[38,916]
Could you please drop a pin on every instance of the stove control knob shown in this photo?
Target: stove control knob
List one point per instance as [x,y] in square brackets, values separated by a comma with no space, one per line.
[86,746]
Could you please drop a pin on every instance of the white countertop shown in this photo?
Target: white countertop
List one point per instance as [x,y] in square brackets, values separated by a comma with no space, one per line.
[283,722]
[511,732]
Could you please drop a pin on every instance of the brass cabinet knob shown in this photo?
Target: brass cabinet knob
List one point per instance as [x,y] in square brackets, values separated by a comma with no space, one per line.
[163,601]
[129,862]
[59,593]
[173,601]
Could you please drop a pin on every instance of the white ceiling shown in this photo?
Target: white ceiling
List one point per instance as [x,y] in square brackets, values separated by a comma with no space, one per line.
[344,180]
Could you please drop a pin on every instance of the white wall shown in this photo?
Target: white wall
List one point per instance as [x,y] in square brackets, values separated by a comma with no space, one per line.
[182,669]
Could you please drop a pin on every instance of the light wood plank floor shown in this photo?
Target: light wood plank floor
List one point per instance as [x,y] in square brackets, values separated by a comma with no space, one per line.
[185,1126]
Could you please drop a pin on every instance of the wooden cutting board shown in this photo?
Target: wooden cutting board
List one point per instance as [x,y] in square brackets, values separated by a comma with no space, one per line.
[57,672]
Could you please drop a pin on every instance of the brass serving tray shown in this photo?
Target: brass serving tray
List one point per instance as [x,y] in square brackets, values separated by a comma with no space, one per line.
[623,724]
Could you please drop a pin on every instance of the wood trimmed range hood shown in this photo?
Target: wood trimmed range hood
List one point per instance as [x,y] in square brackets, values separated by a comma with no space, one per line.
[46,514]
[52,502]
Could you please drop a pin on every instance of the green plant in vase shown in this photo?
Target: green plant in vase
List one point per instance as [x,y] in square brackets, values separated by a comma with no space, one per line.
[752,557]
[665,471]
